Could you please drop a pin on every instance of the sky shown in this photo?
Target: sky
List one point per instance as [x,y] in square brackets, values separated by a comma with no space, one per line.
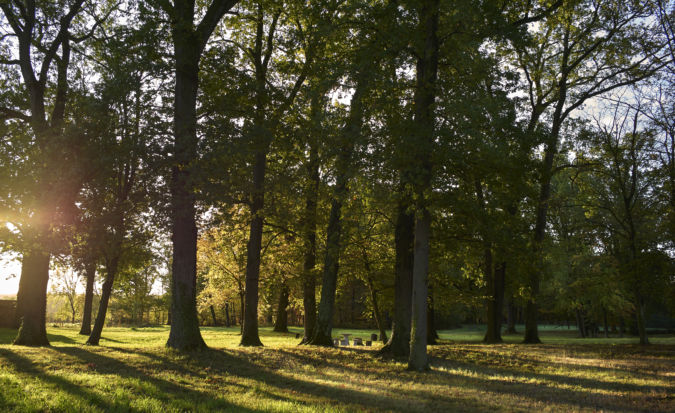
[9,275]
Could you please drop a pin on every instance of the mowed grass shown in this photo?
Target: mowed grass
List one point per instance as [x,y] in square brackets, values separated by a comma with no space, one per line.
[132,371]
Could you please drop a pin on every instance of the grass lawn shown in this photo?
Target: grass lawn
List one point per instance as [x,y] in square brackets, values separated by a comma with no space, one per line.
[132,371]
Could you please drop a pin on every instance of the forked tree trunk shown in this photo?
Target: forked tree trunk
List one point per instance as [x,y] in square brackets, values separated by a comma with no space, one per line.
[90,274]
[32,299]
[189,42]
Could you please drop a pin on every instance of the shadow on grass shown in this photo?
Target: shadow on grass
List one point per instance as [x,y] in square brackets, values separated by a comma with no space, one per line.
[581,392]
[481,388]
[165,391]
[26,367]
[53,338]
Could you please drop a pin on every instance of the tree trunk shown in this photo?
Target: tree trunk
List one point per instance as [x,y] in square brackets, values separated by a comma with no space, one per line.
[227,314]
[242,307]
[184,334]
[106,291]
[281,323]
[424,119]
[496,305]
[309,227]
[32,299]
[90,274]
[376,309]
[213,316]
[640,313]
[581,325]
[432,334]
[404,237]
[322,335]
[418,359]
[604,322]
[249,336]
[511,316]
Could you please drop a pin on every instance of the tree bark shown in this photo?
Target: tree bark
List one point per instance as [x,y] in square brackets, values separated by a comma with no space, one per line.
[418,359]
[309,227]
[90,275]
[432,334]
[281,323]
[184,334]
[640,313]
[32,299]
[189,42]
[322,335]
[227,314]
[511,316]
[404,237]
[213,316]
[106,291]
[424,119]
[249,336]
[495,304]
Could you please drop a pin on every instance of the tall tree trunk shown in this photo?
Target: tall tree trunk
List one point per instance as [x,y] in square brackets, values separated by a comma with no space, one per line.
[250,336]
[106,291]
[90,275]
[32,299]
[281,323]
[227,314]
[309,227]
[189,42]
[322,335]
[184,334]
[605,324]
[424,119]
[404,237]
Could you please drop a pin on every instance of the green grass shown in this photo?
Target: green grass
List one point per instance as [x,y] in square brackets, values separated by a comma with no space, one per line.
[132,371]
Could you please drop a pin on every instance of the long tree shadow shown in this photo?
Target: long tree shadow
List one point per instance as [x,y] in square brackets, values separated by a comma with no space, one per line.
[226,363]
[166,391]
[26,367]
[502,382]
[496,360]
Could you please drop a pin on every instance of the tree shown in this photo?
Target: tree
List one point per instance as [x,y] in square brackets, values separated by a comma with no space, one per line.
[39,33]
[583,50]
[189,41]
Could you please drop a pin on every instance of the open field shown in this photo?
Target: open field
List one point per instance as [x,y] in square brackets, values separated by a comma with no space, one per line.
[132,371]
